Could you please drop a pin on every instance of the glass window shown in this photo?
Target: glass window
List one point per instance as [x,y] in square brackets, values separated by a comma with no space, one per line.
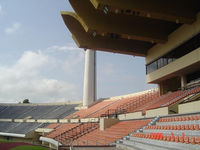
[176,53]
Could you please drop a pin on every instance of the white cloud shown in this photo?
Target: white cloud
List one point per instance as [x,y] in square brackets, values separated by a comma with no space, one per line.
[74,57]
[72,63]
[65,48]
[24,80]
[15,26]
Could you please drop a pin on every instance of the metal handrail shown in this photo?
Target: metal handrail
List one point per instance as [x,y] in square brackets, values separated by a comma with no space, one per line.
[131,105]
[74,133]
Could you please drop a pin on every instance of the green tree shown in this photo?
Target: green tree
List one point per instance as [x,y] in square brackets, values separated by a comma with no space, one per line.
[26,101]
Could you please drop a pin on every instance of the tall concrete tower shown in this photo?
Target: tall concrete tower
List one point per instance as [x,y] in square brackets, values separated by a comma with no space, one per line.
[89,91]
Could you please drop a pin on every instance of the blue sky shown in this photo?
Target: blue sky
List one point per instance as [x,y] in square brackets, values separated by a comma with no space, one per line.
[40,61]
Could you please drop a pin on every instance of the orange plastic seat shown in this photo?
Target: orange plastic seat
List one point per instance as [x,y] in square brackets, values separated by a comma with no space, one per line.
[182,127]
[175,127]
[197,140]
[168,127]
[192,140]
[178,127]
[183,118]
[154,135]
[196,117]
[197,127]
[151,135]
[187,118]
[177,139]
[173,119]
[170,119]
[176,119]
[168,138]
[157,136]
[148,136]
[165,138]
[186,139]
[192,117]
[161,136]
[172,138]
[191,127]
[181,139]
[187,127]
[180,119]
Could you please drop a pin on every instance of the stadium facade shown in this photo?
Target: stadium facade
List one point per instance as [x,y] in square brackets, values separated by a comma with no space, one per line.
[165,33]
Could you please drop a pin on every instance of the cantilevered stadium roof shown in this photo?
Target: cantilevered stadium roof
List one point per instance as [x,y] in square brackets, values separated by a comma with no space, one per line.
[127,26]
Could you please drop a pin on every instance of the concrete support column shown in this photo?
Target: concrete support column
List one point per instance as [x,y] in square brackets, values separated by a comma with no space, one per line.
[159,89]
[89,91]
[183,81]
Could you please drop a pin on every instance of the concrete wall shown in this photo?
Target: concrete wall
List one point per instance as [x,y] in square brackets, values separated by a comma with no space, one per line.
[107,122]
[89,120]
[5,120]
[18,120]
[172,69]
[47,120]
[157,112]
[63,120]
[30,120]
[189,107]
[135,115]
[74,120]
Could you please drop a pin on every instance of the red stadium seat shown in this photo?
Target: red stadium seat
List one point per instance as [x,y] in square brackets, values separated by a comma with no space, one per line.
[192,140]
[197,127]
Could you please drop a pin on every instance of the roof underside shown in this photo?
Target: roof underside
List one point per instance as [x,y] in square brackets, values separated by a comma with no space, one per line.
[128,27]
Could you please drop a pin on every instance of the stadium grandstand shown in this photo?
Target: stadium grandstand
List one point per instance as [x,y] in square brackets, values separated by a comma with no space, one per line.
[167,35]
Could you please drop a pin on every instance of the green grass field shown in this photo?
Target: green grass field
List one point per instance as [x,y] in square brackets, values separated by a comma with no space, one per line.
[29,148]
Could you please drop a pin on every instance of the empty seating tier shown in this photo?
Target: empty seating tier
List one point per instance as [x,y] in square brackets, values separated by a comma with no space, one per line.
[109,135]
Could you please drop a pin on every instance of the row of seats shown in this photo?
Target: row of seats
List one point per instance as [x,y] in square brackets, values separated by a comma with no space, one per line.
[169,138]
[184,94]
[169,99]
[36,111]
[53,126]
[175,127]
[94,110]
[180,118]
